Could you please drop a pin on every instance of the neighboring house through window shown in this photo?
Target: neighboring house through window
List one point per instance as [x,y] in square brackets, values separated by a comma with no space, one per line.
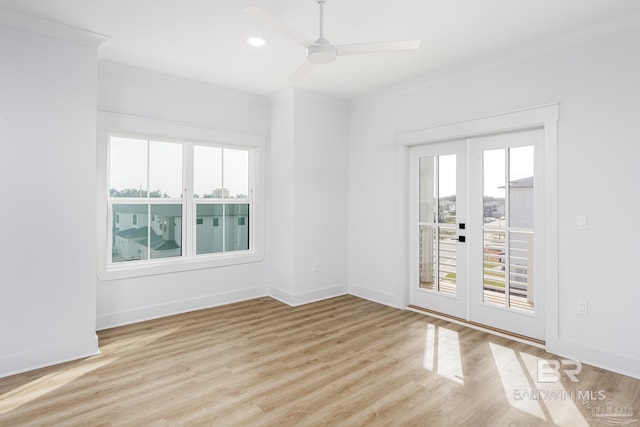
[159,190]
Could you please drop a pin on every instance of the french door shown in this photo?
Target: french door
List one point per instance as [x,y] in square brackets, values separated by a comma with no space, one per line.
[475,209]
[438,211]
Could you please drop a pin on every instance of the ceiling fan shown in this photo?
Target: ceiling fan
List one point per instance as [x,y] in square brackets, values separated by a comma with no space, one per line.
[322,51]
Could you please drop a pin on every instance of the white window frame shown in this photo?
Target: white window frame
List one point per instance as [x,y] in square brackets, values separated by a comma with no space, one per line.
[110,124]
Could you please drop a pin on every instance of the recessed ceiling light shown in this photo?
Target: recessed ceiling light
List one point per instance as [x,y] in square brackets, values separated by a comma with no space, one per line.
[256,41]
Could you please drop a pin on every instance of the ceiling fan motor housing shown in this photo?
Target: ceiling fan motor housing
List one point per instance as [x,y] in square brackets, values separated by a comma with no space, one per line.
[321,52]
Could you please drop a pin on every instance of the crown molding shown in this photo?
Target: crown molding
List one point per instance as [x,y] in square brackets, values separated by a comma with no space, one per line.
[438,76]
[110,67]
[37,25]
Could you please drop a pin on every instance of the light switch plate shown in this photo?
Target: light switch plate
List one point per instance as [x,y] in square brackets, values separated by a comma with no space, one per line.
[581,222]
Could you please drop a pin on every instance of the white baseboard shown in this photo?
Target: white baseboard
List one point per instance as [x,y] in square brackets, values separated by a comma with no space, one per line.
[376,296]
[307,297]
[141,314]
[41,357]
[620,363]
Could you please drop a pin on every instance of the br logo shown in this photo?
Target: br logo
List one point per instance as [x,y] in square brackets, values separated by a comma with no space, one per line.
[551,370]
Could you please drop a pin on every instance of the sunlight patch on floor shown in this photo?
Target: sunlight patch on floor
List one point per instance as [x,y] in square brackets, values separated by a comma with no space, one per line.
[136,341]
[515,381]
[547,401]
[442,353]
[48,383]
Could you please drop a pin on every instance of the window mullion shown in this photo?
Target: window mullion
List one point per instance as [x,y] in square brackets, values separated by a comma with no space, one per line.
[149,229]
[224,206]
[188,202]
[507,227]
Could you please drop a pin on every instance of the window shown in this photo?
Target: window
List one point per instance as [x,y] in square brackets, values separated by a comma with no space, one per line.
[168,183]
[159,191]
[221,192]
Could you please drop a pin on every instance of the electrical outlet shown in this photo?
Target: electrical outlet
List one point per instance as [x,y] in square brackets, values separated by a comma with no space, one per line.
[314,266]
[582,308]
[581,222]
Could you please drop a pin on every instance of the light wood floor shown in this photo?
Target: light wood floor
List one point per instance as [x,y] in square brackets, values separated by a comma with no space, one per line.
[343,361]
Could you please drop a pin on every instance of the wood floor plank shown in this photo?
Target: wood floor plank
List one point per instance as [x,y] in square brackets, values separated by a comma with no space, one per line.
[338,362]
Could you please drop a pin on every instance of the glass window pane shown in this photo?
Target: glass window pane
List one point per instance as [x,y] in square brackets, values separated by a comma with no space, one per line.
[493,167]
[165,169]
[521,187]
[428,257]
[494,267]
[130,230]
[209,232]
[166,231]
[207,172]
[447,189]
[447,246]
[236,173]
[236,227]
[521,270]
[427,183]
[127,167]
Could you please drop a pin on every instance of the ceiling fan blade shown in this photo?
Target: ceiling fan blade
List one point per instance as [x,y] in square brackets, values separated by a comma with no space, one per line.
[271,22]
[302,71]
[377,47]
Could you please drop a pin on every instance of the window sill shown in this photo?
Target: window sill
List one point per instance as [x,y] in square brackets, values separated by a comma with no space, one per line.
[132,269]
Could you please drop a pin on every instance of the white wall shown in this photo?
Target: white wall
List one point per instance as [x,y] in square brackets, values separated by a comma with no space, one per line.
[596,86]
[128,91]
[321,194]
[47,174]
[280,193]
[308,196]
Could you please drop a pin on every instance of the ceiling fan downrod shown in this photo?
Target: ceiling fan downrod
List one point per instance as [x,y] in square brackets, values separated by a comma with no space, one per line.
[321,52]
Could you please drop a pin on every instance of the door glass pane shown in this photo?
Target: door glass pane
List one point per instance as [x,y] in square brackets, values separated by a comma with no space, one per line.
[208,228]
[521,270]
[165,169]
[127,167]
[130,231]
[494,187]
[437,247]
[236,173]
[447,189]
[438,244]
[166,231]
[493,267]
[428,245]
[521,187]
[427,189]
[207,172]
[508,242]
[236,227]
[447,245]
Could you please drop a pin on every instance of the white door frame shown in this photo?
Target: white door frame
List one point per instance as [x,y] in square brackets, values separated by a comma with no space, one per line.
[545,116]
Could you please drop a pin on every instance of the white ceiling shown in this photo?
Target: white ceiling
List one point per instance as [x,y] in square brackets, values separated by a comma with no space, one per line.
[204,40]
